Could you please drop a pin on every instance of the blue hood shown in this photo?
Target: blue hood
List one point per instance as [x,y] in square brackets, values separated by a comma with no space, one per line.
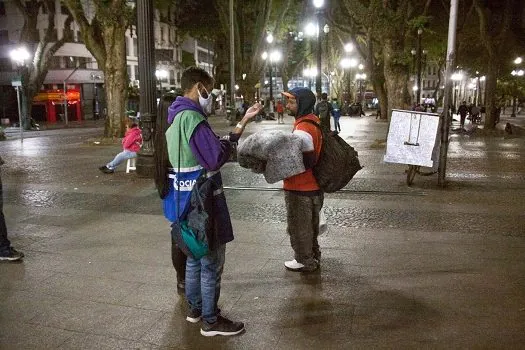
[305,101]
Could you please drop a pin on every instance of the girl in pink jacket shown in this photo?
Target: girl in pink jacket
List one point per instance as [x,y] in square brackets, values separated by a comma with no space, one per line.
[131,144]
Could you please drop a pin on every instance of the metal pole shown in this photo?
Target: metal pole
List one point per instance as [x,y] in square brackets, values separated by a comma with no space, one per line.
[65,93]
[318,87]
[148,105]
[232,61]
[445,117]
[418,58]
[271,88]
[19,114]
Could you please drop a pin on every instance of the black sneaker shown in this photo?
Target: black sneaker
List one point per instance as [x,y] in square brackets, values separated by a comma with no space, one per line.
[194,316]
[107,170]
[223,326]
[11,255]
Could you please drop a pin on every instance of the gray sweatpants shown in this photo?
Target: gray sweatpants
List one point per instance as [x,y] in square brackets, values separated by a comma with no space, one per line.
[303,226]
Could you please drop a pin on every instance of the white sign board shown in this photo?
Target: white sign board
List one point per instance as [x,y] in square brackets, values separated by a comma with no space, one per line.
[411,138]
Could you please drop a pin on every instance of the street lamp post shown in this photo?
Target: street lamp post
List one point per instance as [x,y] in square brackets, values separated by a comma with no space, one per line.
[147,105]
[347,64]
[271,58]
[418,54]
[456,77]
[161,74]
[19,56]
[318,4]
[516,73]
[361,77]
[96,105]
[326,30]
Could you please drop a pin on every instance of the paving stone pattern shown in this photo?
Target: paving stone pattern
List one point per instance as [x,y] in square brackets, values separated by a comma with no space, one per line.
[402,267]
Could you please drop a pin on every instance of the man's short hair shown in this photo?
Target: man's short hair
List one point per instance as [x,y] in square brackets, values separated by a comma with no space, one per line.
[194,75]
[324,96]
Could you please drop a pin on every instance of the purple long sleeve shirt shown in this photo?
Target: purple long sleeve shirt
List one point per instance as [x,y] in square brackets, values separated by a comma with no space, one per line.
[208,149]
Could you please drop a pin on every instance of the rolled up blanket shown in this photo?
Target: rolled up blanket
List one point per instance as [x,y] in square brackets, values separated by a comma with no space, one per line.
[277,154]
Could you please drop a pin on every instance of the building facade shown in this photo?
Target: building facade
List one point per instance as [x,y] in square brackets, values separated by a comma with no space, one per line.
[75,68]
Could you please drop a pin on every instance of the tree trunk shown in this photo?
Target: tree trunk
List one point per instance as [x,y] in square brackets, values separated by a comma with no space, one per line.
[396,77]
[115,80]
[490,94]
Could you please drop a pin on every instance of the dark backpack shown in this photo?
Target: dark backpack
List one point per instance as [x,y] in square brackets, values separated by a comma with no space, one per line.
[337,164]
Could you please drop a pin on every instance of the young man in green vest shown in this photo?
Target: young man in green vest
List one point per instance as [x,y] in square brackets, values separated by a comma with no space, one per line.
[194,147]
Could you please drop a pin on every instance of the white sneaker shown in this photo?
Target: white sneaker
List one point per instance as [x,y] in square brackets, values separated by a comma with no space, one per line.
[293,265]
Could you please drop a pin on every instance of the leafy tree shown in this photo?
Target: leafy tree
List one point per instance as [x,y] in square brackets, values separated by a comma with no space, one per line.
[42,48]
[103,25]
[382,30]
[252,22]
[495,28]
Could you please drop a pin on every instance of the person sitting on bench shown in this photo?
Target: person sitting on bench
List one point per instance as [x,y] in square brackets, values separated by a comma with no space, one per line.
[131,144]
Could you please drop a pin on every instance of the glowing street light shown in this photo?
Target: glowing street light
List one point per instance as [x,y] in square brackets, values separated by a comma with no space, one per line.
[310,29]
[20,56]
[349,47]
[161,74]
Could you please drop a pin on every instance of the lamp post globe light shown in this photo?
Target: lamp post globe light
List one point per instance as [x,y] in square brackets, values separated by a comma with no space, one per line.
[19,56]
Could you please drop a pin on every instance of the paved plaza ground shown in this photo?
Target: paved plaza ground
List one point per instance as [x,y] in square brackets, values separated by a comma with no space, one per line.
[417,267]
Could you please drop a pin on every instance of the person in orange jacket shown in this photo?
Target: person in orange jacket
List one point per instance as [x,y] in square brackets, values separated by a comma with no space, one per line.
[131,144]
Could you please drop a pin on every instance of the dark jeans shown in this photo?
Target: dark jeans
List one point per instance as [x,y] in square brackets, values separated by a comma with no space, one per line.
[462,118]
[178,258]
[303,226]
[203,283]
[4,242]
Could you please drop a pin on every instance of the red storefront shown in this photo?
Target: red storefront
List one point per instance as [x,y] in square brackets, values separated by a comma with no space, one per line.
[53,102]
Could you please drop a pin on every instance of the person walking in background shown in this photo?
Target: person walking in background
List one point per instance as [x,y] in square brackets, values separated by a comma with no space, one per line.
[302,194]
[194,147]
[162,165]
[7,252]
[462,111]
[323,110]
[131,144]
[336,113]
[280,112]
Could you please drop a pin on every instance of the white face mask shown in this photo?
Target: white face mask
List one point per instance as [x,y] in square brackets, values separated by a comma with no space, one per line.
[205,102]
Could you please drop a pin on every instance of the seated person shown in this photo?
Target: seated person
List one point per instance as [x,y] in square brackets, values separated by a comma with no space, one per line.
[131,144]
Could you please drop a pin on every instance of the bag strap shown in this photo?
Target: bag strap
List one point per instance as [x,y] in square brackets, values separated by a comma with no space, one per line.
[178,169]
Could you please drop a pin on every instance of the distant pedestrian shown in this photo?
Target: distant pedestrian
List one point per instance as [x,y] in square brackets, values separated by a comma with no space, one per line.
[302,194]
[7,253]
[162,166]
[336,113]
[462,111]
[323,110]
[280,112]
[131,144]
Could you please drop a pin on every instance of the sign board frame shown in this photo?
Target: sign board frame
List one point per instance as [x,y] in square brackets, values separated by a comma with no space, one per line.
[412,138]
